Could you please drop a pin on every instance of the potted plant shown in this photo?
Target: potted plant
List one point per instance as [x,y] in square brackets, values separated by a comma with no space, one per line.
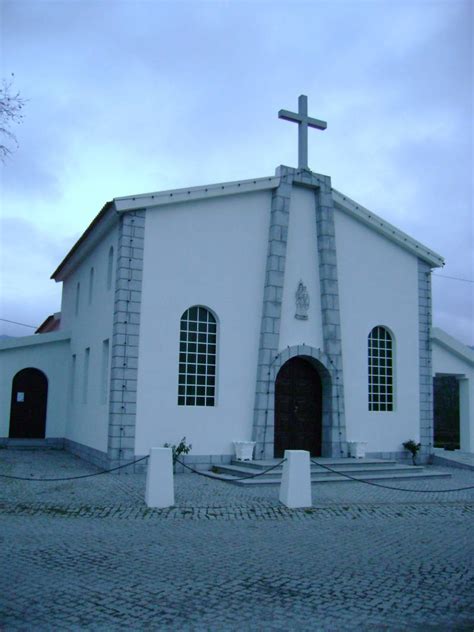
[413,448]
[177,450]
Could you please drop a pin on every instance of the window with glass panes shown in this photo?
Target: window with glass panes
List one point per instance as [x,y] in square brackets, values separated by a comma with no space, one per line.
[197,358]
[380,370]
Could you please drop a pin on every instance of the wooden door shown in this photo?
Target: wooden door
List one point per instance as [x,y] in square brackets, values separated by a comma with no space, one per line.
[298,408]
[28,405]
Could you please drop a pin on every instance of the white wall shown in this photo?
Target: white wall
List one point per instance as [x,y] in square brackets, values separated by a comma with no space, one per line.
[88,421]
[301,265]
[378,285]
[48,353]
[211,253]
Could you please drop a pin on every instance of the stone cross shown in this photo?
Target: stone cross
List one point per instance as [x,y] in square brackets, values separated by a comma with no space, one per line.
[304,121]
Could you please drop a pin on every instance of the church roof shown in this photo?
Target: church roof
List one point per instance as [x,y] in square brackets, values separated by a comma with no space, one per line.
[100,224]
[108,214]
[173,196]
[383,227]
[343,202]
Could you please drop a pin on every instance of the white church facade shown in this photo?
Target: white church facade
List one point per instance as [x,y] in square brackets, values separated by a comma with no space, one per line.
[276,310]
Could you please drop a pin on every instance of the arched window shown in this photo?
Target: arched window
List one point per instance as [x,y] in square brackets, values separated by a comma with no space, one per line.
[380,370]
[91,285]
[110,267]
[78,297]
[197,358]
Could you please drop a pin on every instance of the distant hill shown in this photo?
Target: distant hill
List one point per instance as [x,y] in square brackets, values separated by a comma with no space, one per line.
[5,337]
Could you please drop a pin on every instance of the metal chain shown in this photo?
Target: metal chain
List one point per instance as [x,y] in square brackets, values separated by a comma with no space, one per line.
[72,478]
[226,480]
[399,489]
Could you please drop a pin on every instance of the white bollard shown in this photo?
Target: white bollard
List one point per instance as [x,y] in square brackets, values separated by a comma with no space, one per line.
[295,489]
[159,491]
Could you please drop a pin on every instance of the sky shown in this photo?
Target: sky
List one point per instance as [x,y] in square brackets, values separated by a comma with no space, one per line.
[128,97]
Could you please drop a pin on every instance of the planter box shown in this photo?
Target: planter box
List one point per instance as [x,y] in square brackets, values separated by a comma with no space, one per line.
[244,450]
[357,449]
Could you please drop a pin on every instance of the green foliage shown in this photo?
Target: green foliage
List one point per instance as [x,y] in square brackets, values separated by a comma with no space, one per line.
[413,448]
[177,450]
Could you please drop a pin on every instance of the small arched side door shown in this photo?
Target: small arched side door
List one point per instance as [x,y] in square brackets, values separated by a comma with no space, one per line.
[28,405]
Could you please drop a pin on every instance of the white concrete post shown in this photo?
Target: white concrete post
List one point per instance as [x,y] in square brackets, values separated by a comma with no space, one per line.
[159,491]
[295,489]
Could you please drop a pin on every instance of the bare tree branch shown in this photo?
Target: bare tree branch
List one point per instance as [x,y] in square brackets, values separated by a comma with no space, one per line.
[11,105]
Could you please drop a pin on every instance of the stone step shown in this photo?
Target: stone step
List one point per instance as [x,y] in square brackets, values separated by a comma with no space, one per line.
[330,462]
[329,477]
[354,470]
[333,463]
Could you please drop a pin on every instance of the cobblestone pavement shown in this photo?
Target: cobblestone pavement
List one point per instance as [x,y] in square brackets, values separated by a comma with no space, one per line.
[89,555]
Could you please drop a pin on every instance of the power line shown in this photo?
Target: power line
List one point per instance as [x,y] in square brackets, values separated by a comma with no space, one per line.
[444,276]
[13,322]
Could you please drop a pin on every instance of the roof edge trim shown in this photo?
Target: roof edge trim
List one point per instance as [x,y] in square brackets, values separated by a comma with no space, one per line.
[62,270]
[174,196]
[383,227]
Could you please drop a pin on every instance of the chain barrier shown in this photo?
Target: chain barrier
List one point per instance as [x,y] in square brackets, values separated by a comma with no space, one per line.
[398,489]
[72,478]
[233,480]
[241,478]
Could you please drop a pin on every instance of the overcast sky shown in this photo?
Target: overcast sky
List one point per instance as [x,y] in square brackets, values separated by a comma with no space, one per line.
[139,96]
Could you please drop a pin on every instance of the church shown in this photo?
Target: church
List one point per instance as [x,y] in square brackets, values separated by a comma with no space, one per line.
[275,310]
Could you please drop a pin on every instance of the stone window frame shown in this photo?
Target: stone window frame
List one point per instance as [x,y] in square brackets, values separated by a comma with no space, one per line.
[197,359]
[381,371]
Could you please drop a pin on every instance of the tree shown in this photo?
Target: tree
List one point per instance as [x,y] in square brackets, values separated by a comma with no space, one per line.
[11,105]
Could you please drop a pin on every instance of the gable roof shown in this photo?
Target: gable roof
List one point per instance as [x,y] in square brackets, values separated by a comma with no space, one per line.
[51,323]
[101,223]
[173,196]
[118,205]
[383,227]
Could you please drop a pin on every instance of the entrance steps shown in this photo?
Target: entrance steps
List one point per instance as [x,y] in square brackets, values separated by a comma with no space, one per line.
[363,469]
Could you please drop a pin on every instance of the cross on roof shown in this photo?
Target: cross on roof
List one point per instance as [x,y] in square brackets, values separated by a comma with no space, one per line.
[304,121]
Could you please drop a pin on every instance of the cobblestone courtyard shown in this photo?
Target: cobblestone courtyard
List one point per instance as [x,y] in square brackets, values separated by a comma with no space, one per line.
[89,555]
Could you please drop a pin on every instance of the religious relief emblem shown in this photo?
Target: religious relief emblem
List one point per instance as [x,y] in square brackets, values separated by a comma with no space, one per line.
[302,302]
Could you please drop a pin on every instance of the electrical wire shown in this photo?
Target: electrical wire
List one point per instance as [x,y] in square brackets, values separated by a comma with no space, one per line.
[14,322]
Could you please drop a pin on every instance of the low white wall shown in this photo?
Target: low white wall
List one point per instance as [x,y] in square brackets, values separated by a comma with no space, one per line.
[49,353]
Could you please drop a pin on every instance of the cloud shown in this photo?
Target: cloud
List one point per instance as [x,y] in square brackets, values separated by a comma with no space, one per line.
[131,97]
[28,257]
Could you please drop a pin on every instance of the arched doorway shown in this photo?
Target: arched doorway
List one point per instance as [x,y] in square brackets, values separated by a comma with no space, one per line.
[28,405]
[298,408]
